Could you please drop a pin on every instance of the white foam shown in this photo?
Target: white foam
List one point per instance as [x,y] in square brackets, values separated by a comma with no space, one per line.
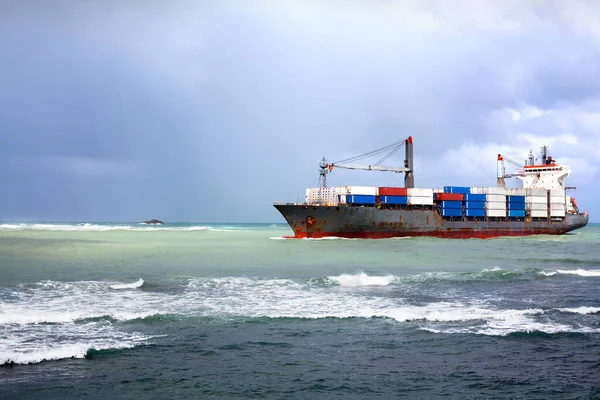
[548,273]
[581,310]
[133,285]
[362,279]
[61,351]
[580,272]
[88,227]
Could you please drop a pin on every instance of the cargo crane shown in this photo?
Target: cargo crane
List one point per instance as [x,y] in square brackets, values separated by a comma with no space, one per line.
[409,181]
[502,172]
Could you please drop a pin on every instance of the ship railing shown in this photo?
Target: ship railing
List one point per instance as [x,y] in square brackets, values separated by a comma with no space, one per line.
[284,203]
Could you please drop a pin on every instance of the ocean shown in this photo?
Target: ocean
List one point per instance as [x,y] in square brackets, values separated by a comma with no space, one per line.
[129,311]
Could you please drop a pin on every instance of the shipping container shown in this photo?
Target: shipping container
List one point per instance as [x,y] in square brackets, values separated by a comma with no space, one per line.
[451,212]
[360,190]
[360,199]
[557,193]
[457,189]
[515,199]
[419,192]
[495,213]
[451,204]
[393,191]
[537,192]
[393,199]
[495,205]
[558,213]
[474,205]
[475,212]
[449,196]
[496,198]
[516,191]
[538,213]
[558,200]
[494,190]
[515,206]
[516,213]
[537,207]
[420,200]
[474,197]
[536,200]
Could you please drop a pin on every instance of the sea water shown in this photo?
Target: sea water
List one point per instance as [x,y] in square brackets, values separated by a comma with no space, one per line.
[110,310]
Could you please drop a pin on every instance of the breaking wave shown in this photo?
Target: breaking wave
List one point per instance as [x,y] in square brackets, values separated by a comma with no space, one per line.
[362,279]
[133,285]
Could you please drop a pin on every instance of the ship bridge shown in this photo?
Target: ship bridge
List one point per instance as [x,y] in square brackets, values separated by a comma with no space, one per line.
[546,174]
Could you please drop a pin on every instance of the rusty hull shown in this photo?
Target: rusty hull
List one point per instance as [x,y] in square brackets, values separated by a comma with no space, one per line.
[315,221]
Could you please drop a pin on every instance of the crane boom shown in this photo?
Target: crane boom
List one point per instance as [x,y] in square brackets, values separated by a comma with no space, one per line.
[368,167]
[326,167]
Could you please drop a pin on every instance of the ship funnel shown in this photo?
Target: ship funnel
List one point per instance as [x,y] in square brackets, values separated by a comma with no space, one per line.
[409,178]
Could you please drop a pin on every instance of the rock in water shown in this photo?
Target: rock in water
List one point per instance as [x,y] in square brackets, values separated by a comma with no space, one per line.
[153,222]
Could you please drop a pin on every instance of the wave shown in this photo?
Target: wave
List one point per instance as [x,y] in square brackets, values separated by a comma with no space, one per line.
[133,285]
[580,272]
[89,227]
[581,310]
[361,279]
[64,351]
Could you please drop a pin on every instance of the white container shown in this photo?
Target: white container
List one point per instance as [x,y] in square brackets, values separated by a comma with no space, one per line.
[495,213]
[537,207]
[536,200]
[539,213]
[495,205]
[516,192]
[421,200]
[494,190]
[418,192]
[557,192]
[557,200]
[537,192]
[557,213]
[495,198]
[365,190]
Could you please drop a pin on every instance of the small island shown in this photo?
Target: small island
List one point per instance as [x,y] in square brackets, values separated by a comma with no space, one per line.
[153,222]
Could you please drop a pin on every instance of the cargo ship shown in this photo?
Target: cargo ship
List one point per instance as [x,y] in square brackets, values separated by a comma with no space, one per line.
[541,206]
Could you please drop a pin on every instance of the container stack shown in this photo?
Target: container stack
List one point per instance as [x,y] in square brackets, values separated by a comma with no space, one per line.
[393,195]
[357,195]
[475,205]
[420,197]
[495,202]
[558,202]
[536,201]
[515,205]
[451,200]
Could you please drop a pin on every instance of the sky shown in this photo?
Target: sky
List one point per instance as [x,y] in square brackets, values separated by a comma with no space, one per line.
[210,111]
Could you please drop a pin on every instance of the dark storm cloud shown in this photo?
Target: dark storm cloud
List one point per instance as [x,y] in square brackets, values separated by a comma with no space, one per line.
[210,111]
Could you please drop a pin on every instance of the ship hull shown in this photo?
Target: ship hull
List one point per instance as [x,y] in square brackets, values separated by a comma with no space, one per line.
[310,221]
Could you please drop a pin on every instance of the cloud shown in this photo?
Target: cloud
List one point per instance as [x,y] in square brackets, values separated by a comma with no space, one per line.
[177,105]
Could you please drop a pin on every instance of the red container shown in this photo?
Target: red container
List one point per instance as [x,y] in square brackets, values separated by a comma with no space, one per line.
[392,191]
[449,196]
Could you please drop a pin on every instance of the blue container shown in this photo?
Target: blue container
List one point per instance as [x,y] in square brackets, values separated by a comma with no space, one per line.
[393,199]
[452,204]
[475,205]
[360,199]
[474,197]
[516,213]
[457,189]
[515,199]
[475,212]
[515,206]
[451,212]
